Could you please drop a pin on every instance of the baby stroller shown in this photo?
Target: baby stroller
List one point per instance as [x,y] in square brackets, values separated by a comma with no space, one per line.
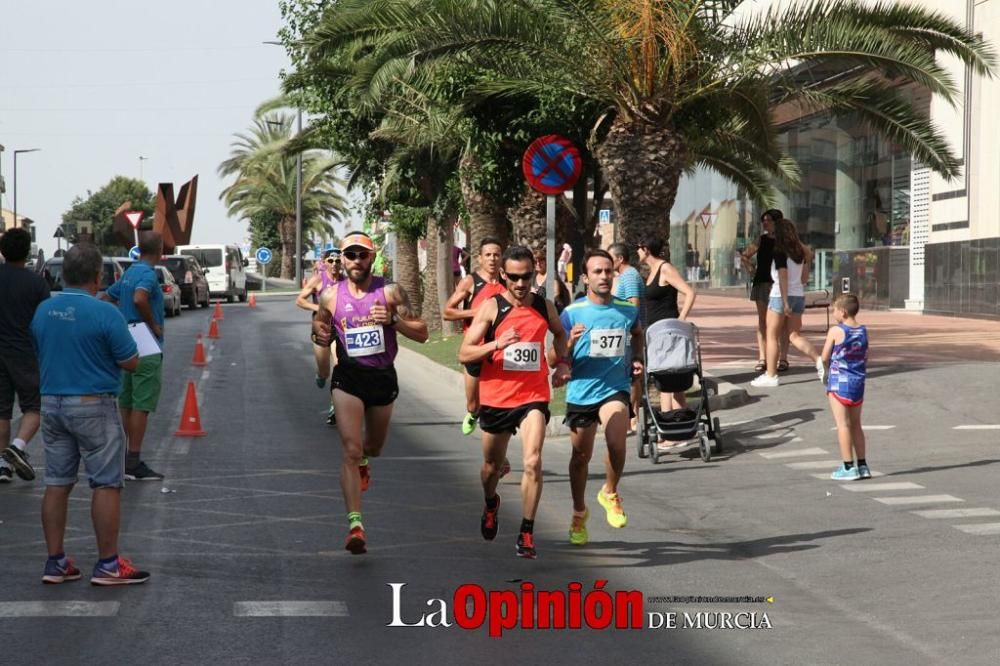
[673,360]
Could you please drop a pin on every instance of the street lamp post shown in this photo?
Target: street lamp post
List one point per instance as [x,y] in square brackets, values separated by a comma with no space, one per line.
[16,153]
[142,158]
[298,198]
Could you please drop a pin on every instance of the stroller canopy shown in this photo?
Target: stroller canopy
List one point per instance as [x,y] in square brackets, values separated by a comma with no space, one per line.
[671,346]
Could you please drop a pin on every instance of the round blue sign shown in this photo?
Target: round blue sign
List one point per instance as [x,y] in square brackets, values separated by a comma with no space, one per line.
[552,165]
[263,255]
[134,253]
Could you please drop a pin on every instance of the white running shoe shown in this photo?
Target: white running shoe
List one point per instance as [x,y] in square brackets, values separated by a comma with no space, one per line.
[765,381]
[820,369]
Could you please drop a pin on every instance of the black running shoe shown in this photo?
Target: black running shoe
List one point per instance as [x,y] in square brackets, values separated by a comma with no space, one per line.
[526,545]
[331,417]
[489,525]
[6,475]
[142,472]
[18,459]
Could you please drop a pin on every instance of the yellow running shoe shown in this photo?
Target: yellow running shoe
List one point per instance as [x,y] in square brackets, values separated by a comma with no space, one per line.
[578,528]
[613,506]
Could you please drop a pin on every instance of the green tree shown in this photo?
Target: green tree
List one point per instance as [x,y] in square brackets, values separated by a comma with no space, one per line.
[98,208]
[265,184]
[683,83]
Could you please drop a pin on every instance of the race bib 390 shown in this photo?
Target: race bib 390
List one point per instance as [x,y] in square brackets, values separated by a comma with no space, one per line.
[522,357]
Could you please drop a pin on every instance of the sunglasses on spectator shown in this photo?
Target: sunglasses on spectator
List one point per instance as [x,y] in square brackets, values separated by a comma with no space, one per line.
[520,277]
[351,255]
[331,260]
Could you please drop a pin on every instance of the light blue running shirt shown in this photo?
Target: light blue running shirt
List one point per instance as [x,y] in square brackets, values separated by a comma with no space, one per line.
[602,357]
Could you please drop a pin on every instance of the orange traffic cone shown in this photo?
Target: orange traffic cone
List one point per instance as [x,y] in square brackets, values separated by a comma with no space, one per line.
[190,420]
[213,329]
[218,311]
[253,300]
[199,353]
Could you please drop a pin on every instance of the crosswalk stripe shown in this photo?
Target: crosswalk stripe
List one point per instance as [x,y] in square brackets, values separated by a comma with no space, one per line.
[957,513]
[792,454]
[826,477]
[918,499]
[979,528]
[872,427]
[58,609]
[290,609]
[815,464]
[877,487]
[976,427]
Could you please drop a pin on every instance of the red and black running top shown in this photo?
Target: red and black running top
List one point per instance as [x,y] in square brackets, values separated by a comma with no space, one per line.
[481,290]
[517,375]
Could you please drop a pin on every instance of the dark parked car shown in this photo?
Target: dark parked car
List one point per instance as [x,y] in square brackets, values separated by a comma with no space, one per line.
[171,292]
[52,272]
[191,278]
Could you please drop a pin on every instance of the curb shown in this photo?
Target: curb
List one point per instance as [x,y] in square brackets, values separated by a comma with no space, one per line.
[722,395]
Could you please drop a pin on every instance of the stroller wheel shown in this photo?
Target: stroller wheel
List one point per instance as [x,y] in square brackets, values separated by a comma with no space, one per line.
[642,434]
[705,447]
[717,431]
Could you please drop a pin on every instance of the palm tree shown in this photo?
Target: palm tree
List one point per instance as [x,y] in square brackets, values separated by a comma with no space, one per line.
[265,183]
[688,83]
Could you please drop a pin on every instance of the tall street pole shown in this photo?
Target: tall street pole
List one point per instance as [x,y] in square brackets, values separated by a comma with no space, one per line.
[16,153]
[298,210]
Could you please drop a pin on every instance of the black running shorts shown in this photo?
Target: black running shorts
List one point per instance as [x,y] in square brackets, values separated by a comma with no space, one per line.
[584,416]
[473,369]
[19,375]
[498,420]
[374,387]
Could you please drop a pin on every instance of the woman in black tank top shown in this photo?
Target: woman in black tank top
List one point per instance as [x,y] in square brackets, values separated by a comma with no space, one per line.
[662,288]
[760,289]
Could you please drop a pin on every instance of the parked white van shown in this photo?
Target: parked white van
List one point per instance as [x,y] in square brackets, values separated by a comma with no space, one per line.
[225,268]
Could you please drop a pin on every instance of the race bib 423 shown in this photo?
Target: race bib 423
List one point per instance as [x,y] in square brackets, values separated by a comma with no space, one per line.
[364,341]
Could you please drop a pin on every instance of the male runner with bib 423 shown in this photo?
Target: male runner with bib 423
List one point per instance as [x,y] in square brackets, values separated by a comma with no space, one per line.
[508,336]
[606,344]
[366,315]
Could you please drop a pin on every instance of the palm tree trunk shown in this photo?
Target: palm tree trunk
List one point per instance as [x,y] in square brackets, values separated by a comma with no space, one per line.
[409,269]
[445,278]
[431,304]
[287,230]
[487,218]
[527,219]
[643,164]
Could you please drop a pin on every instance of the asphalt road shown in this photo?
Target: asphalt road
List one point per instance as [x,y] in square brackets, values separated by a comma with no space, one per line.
[246,548]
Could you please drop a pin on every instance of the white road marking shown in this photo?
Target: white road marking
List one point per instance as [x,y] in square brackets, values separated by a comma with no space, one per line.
[772,435]
[872,427]
[979,528]
[205,374]
[290,609]
[735,423]
[58,608]
[857,487]
[977,427]
[793,454]
[918,499]
[957,513]
[816,464]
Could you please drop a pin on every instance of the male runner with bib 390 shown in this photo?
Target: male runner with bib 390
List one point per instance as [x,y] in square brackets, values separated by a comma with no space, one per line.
[366,314]
[606,344]
[471,292]
[508,336]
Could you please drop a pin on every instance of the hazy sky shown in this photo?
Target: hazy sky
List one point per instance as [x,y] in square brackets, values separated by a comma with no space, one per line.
[97,83]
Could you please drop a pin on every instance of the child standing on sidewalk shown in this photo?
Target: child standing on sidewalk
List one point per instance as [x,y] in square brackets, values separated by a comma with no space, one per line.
[846,351]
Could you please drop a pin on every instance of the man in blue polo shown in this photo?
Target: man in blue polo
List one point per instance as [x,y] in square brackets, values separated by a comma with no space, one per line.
[82,346]
[140,300]
[605,339]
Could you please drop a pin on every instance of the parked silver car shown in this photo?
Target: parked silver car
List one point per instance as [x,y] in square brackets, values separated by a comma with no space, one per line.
[171,292]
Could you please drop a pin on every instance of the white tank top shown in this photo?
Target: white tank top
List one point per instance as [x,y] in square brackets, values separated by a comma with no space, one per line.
[795,286]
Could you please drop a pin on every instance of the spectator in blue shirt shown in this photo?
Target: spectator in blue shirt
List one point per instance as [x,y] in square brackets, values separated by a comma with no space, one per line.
[82,344]
[140,300]
[629,286]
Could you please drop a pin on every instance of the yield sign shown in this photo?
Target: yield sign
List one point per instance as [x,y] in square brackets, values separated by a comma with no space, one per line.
[706,219]
[134,217]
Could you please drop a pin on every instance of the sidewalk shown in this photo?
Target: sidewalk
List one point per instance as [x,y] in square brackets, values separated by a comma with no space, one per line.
[727,335]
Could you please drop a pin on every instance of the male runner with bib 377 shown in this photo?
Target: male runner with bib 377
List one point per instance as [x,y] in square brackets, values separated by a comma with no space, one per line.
[605,340]
[508,336]
[366,315]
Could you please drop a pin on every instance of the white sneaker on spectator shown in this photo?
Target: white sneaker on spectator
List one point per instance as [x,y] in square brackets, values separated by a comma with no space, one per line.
[766,381]
[820,369]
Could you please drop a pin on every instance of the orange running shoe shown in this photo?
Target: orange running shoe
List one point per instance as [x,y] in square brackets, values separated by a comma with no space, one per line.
[356,541]
[366,475]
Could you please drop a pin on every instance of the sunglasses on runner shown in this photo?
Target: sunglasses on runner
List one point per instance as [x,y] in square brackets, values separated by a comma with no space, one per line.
[351,255]
[520,277]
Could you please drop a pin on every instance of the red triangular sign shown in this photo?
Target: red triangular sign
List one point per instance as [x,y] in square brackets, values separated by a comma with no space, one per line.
[134,217]
[706,219]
